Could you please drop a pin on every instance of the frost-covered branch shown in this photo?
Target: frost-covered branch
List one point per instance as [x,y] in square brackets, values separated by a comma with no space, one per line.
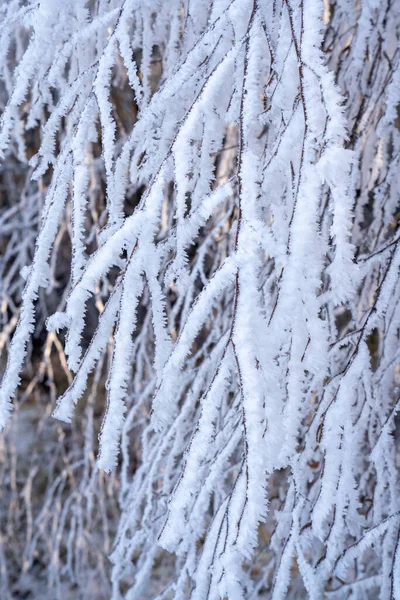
[205,209]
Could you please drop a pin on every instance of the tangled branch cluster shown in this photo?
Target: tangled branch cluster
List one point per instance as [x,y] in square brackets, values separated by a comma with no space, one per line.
[203,200]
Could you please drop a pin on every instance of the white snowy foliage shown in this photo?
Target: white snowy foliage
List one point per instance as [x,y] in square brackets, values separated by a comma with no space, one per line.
[243,274]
